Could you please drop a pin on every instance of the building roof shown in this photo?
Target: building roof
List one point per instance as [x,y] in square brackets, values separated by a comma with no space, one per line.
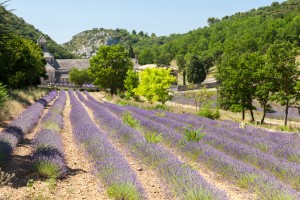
[68,64]
[49,67]
[42,39]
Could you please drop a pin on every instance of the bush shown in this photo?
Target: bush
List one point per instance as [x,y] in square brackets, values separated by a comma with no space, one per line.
[128,119]
[3,94]
[208,111]
[153,137]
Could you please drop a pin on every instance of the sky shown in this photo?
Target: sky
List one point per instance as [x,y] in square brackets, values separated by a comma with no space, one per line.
[62,19]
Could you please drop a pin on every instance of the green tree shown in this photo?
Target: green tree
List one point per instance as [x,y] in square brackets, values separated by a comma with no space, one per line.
[109,66]
[146,57]
[131,82]
[237,87]
[79,77]
[154,84]
[195,70]
[21,62]
[281,57]
[181,66]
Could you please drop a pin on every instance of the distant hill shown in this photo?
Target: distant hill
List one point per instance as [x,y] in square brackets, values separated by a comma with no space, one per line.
[252,31]
[86,43]
[18,26]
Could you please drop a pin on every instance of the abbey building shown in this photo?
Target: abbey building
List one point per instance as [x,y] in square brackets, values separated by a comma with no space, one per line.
[58,69]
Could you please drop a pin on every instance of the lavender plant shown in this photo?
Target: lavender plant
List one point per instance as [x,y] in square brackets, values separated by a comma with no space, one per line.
[185,182]
[48,156]
[239,172]
[14,133]
[111,167]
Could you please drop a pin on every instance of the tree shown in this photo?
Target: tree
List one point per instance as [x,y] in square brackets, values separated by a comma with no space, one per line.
[133,32]
[212,21]
[109,67]
[131,52]
[79,77]
[237,87]
[195,70]
[154,84]
[281,57]
[131,82]
[146,57]
[21,62]
[181,65]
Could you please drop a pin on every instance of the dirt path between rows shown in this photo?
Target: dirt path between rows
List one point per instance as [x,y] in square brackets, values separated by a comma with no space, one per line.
[80,182]
[21,165]
[232,191]
[151,183]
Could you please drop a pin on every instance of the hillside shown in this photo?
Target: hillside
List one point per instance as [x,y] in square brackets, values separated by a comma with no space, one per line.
[14,24]
[252,31]
[86,43]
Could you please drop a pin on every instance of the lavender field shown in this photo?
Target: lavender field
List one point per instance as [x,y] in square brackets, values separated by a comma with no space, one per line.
[191,157]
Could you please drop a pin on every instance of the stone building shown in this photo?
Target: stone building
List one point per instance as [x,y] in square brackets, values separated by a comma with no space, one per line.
[58,70]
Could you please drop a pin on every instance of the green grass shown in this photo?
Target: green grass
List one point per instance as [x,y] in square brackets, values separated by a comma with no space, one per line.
[51,126]
[125,191]
[46,169]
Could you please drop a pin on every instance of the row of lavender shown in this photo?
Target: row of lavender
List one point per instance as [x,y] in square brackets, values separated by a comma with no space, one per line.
[281,168]
[264,184]
[184,181]
[48,156]
[111,167]
[24,123]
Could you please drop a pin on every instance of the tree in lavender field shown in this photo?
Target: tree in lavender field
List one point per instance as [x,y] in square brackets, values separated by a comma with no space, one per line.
[154,84]
[109,67]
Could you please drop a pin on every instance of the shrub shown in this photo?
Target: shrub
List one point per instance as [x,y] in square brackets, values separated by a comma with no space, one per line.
[153,137]
[191,135]
[208,111]
[3,94]
[129,120]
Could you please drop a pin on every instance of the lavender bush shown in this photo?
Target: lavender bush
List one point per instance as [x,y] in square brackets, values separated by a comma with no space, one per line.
[185,182]
[48,156]
[239,172]
[109,164]
[15,132]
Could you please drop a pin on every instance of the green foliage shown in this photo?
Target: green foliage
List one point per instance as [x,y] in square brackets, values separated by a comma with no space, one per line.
[3,94]
[146,57]
[192,135]
[125,191]
[128,119]
[195,70]
[131,82]
[13,25]
[46,169]
[199,193]
[153,137]
[154,84]
[109,67]
[79,77]
[208,111]
[21,62]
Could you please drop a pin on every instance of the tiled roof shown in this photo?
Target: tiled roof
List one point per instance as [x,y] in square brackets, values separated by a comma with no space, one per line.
[67,64]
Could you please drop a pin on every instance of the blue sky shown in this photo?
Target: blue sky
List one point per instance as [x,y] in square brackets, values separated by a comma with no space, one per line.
[62,19]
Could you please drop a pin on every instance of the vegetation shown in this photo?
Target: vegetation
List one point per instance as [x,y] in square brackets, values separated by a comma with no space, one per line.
[154,84]
[79,77]
[3,95]
[131,82]
[12,24]
[109,67]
